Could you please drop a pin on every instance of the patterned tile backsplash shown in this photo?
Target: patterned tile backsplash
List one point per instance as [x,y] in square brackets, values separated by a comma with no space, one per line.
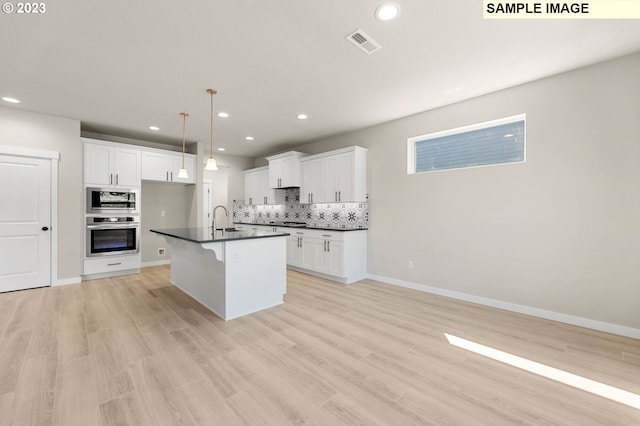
[325,215]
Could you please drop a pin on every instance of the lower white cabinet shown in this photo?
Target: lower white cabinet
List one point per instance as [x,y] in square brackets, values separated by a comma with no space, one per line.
[112,265]
[329,257]
[335,255]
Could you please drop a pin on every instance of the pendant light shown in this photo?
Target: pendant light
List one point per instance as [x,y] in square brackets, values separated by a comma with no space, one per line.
[211,162]
[182,174]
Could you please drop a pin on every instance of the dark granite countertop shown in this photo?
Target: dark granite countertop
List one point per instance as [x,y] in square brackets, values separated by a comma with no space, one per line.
[282,225]
[204,235]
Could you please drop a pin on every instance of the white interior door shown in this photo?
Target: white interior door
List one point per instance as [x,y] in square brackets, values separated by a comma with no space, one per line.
[25,222]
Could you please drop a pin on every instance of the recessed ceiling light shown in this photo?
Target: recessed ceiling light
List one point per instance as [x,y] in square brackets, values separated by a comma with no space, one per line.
[220,149]
[508,135]
[156,128]
[387,11]
[303,116]
[12,100]
[223,115]
[249,138]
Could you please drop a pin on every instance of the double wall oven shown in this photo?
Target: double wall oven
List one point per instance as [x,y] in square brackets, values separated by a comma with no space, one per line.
[113,222]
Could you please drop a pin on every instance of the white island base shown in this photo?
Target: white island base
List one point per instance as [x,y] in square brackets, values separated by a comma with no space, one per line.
[231,278]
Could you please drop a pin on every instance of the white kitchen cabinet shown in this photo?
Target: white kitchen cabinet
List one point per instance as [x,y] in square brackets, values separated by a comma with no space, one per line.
[163,166]
[313,181]
[257,190]
[284,169]
[329,257]
[335,176]
[108,164]
[336,255]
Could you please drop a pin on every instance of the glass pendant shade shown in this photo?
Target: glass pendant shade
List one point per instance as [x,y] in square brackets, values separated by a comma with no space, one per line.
[211,164]
[182,174]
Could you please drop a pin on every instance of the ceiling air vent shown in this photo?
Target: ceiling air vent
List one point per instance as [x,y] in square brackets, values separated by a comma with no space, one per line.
[363,42]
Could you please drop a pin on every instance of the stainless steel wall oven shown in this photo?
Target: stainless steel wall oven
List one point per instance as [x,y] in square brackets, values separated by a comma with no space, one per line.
[115,235]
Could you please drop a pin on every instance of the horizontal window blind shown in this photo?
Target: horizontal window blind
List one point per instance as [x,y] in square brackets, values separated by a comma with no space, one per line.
[495,144]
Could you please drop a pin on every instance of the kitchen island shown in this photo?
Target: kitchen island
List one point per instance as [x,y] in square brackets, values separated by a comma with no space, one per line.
[233,273]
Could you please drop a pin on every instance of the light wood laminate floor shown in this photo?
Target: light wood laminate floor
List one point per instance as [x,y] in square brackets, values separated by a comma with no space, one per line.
[135,350]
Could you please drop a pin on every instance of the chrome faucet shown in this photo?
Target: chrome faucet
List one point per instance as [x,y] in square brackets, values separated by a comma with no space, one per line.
[213,222]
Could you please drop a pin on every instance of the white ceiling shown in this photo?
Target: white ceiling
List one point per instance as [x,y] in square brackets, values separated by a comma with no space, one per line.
[121,65]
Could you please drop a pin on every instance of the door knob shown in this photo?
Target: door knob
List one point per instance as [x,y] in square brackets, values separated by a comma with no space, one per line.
[44,228]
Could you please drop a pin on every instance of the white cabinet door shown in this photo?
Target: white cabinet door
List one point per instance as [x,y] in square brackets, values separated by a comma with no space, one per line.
[306,178]
[127,167]
[313,185]
[250,188]
[294,251]
[98,164]
[335,255]
[308,253]
[276,172]
[344,184]
[155,166]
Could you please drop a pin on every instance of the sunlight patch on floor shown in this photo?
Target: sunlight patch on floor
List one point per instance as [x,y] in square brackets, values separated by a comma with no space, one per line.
[597,388]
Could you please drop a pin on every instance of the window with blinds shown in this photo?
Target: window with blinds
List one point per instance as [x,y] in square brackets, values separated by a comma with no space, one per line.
[486,144]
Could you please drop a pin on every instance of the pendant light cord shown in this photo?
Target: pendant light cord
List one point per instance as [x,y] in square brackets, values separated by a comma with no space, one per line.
[184,132]
[211,92]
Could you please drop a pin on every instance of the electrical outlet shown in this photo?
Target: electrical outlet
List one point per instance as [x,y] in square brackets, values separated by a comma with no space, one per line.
[411,264]
[162,213]
[160,252]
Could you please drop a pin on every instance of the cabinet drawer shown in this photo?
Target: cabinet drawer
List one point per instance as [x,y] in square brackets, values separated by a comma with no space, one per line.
[111,264]
[328,235]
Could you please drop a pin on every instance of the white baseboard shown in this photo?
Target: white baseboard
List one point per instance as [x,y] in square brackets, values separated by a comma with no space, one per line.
[66,281]
[522,309]
[156,263]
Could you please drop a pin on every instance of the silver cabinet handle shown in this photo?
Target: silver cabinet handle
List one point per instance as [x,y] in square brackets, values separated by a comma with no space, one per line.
[309,197]
[114,264]
[167,176]
[117,179]
[172,176]
[339,196]
[110,178]
[328,246]
[265,200]
[250,200]
[312,197]
[335,195]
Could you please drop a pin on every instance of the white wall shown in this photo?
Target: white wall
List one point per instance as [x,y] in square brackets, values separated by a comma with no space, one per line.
[32,130]
[559,233]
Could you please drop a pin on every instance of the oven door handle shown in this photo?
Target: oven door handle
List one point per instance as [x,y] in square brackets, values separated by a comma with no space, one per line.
[113,226]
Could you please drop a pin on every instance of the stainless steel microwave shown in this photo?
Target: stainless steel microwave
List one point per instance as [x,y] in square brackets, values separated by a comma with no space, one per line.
[113,201]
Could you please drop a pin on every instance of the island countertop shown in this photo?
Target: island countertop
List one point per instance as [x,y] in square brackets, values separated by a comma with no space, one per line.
[204,235]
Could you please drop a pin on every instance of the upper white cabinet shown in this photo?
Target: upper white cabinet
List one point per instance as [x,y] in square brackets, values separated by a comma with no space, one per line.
[111,164]
[163,166]
[257,190]
[335,176]
[284,169]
